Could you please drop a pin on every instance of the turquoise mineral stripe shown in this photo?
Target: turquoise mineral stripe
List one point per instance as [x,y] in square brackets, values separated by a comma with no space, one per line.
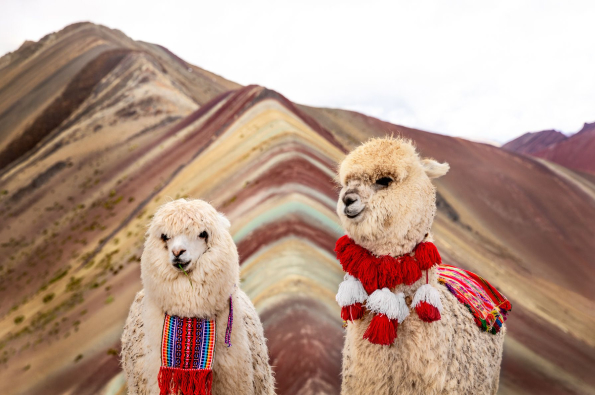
[284,209]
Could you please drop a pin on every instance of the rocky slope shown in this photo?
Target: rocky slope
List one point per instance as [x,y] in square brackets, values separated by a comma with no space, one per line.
[108,129]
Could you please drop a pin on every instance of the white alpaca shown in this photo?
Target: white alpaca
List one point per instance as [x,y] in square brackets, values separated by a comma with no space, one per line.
[189,268]
[387,206]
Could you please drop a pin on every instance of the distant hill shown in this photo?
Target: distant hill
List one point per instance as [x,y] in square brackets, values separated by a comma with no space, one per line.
[98,130]
[575,152]
[530,143]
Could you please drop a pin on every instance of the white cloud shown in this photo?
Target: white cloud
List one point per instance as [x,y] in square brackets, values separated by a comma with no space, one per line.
[481,70]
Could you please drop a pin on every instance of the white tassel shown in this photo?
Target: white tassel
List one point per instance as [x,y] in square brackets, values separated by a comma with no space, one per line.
[383,301]
[427,293]
[403,308]
[351,291]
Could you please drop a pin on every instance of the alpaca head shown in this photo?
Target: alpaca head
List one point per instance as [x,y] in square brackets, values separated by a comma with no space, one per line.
[190,263]
[387,201]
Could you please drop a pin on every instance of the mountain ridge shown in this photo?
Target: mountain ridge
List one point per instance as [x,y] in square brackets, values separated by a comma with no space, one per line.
[575,151]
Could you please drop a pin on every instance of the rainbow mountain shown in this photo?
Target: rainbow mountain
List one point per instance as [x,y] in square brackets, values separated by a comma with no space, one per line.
[98,130]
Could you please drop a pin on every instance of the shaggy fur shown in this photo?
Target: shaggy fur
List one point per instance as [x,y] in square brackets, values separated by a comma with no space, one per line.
[449,356]
[212,265]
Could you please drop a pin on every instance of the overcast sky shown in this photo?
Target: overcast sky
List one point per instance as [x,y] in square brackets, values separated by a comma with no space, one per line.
[482,70]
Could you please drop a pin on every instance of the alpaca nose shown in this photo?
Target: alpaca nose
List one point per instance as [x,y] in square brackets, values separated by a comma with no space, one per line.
[178,251]
[349,199]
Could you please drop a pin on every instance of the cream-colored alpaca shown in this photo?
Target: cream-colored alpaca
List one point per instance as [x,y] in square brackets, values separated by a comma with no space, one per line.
[387,205]
[191,235]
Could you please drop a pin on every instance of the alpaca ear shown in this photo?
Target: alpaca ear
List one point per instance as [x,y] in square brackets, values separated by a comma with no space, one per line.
[433,168]
[224,221]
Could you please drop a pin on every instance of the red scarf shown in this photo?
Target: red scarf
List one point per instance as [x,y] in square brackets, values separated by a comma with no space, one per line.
[376,273]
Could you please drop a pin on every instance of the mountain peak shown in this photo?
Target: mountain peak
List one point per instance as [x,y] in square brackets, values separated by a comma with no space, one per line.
[588,128]
[532,142]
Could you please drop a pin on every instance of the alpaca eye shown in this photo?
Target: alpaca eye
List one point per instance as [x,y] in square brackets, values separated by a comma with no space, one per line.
[203,235]
[164,237]
[384,181]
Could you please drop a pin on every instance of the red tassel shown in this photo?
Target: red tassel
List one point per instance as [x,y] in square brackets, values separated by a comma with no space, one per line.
[427,255]
[427,312]
[368,275]
[410,270]
[184,381]
[381,331]
[355,260]
[392,275]
[341,244]
[352,312]
[345,313]
[395,323]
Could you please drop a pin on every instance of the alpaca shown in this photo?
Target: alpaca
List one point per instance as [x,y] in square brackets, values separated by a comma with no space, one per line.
[387,205]
[189,268]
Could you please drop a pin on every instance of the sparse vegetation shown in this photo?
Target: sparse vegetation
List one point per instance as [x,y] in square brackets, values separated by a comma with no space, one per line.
[48,298]
[61,273]
[74,284]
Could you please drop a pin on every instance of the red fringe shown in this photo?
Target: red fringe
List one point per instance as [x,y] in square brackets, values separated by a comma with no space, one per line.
[369,273]
[345,313]
[392,273]
[427,312]
[381,331]
[395,325]
[410,270]
[184,381]
[384,271]
[427,255]
[352,312]
[341,244]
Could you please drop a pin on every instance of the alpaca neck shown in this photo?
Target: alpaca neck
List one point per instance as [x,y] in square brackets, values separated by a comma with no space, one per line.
[388,247]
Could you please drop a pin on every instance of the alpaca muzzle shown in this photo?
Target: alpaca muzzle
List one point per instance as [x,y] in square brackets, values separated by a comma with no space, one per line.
[353,205]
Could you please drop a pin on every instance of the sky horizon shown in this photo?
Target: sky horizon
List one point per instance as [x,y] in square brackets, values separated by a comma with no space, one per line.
[479,71]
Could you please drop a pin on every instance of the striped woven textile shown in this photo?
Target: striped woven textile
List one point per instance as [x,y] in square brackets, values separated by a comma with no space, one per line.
[489,307]
[187,353]
[188,343]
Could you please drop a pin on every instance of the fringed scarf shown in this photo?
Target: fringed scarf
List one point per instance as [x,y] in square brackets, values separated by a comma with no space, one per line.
[369,280]
[487,305]
[187,354]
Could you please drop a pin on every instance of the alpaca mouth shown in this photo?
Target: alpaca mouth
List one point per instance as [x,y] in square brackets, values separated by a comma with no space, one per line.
[180,265]
[352,215]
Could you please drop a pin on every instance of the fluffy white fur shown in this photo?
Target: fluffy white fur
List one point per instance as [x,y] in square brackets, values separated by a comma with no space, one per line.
[387,205]
[193,235]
